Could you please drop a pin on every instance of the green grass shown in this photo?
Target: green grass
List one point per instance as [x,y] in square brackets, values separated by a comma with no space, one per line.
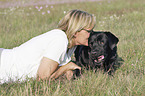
[124,18]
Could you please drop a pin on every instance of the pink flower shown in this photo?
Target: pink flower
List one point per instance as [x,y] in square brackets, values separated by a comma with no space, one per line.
[48,11]
[43,13]
[36,7]
[51,6]
[41,7]
[46,6]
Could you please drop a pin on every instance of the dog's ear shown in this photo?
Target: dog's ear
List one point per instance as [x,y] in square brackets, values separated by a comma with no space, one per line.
[113,40]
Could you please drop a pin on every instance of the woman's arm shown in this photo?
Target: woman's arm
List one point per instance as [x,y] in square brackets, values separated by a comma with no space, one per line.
[65,68]
[46,68]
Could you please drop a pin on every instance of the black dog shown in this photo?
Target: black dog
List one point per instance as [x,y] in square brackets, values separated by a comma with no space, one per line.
[101,52]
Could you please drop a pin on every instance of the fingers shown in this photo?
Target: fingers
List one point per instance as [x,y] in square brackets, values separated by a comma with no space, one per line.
[56,74]
[72,66]
[63,69]
[69,74]
[52,76]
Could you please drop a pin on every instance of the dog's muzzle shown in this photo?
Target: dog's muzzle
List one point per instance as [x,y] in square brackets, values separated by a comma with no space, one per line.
[98,60]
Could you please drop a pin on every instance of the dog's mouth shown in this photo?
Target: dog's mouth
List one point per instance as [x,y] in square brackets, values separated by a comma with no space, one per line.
[99,59]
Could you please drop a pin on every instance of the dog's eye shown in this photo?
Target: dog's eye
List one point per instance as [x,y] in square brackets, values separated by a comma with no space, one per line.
[101,42]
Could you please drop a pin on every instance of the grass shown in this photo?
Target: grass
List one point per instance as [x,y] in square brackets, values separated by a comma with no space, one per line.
[123,18]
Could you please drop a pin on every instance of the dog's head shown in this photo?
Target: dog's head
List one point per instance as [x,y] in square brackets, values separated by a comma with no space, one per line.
[101,45]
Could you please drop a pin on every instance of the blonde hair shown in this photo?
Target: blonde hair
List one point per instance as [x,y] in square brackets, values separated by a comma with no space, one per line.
[74,21]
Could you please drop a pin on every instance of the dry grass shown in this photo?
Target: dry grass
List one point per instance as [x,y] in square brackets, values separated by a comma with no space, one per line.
[123,18]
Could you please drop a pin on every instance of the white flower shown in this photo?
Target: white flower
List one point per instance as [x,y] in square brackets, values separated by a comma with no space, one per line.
[64,12]
[111,17]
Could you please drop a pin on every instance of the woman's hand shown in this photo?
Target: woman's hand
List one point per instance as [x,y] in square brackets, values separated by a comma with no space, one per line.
[65,69]
[48,69]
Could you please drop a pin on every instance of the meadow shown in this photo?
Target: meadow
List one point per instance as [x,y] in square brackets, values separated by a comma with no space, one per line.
[124,18]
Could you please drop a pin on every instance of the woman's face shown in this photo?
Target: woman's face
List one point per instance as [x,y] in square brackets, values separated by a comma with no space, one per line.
[81,38]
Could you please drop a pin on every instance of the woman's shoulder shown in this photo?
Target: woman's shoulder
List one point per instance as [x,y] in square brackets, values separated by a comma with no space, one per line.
[57,31]
[57,35]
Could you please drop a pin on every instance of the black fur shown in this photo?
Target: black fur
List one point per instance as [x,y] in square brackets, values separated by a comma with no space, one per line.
[101,52]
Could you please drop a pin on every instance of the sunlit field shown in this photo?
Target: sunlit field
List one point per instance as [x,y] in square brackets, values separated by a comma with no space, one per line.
[124,18]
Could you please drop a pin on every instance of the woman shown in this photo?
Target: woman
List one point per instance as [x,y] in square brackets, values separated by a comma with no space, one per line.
[48,55]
